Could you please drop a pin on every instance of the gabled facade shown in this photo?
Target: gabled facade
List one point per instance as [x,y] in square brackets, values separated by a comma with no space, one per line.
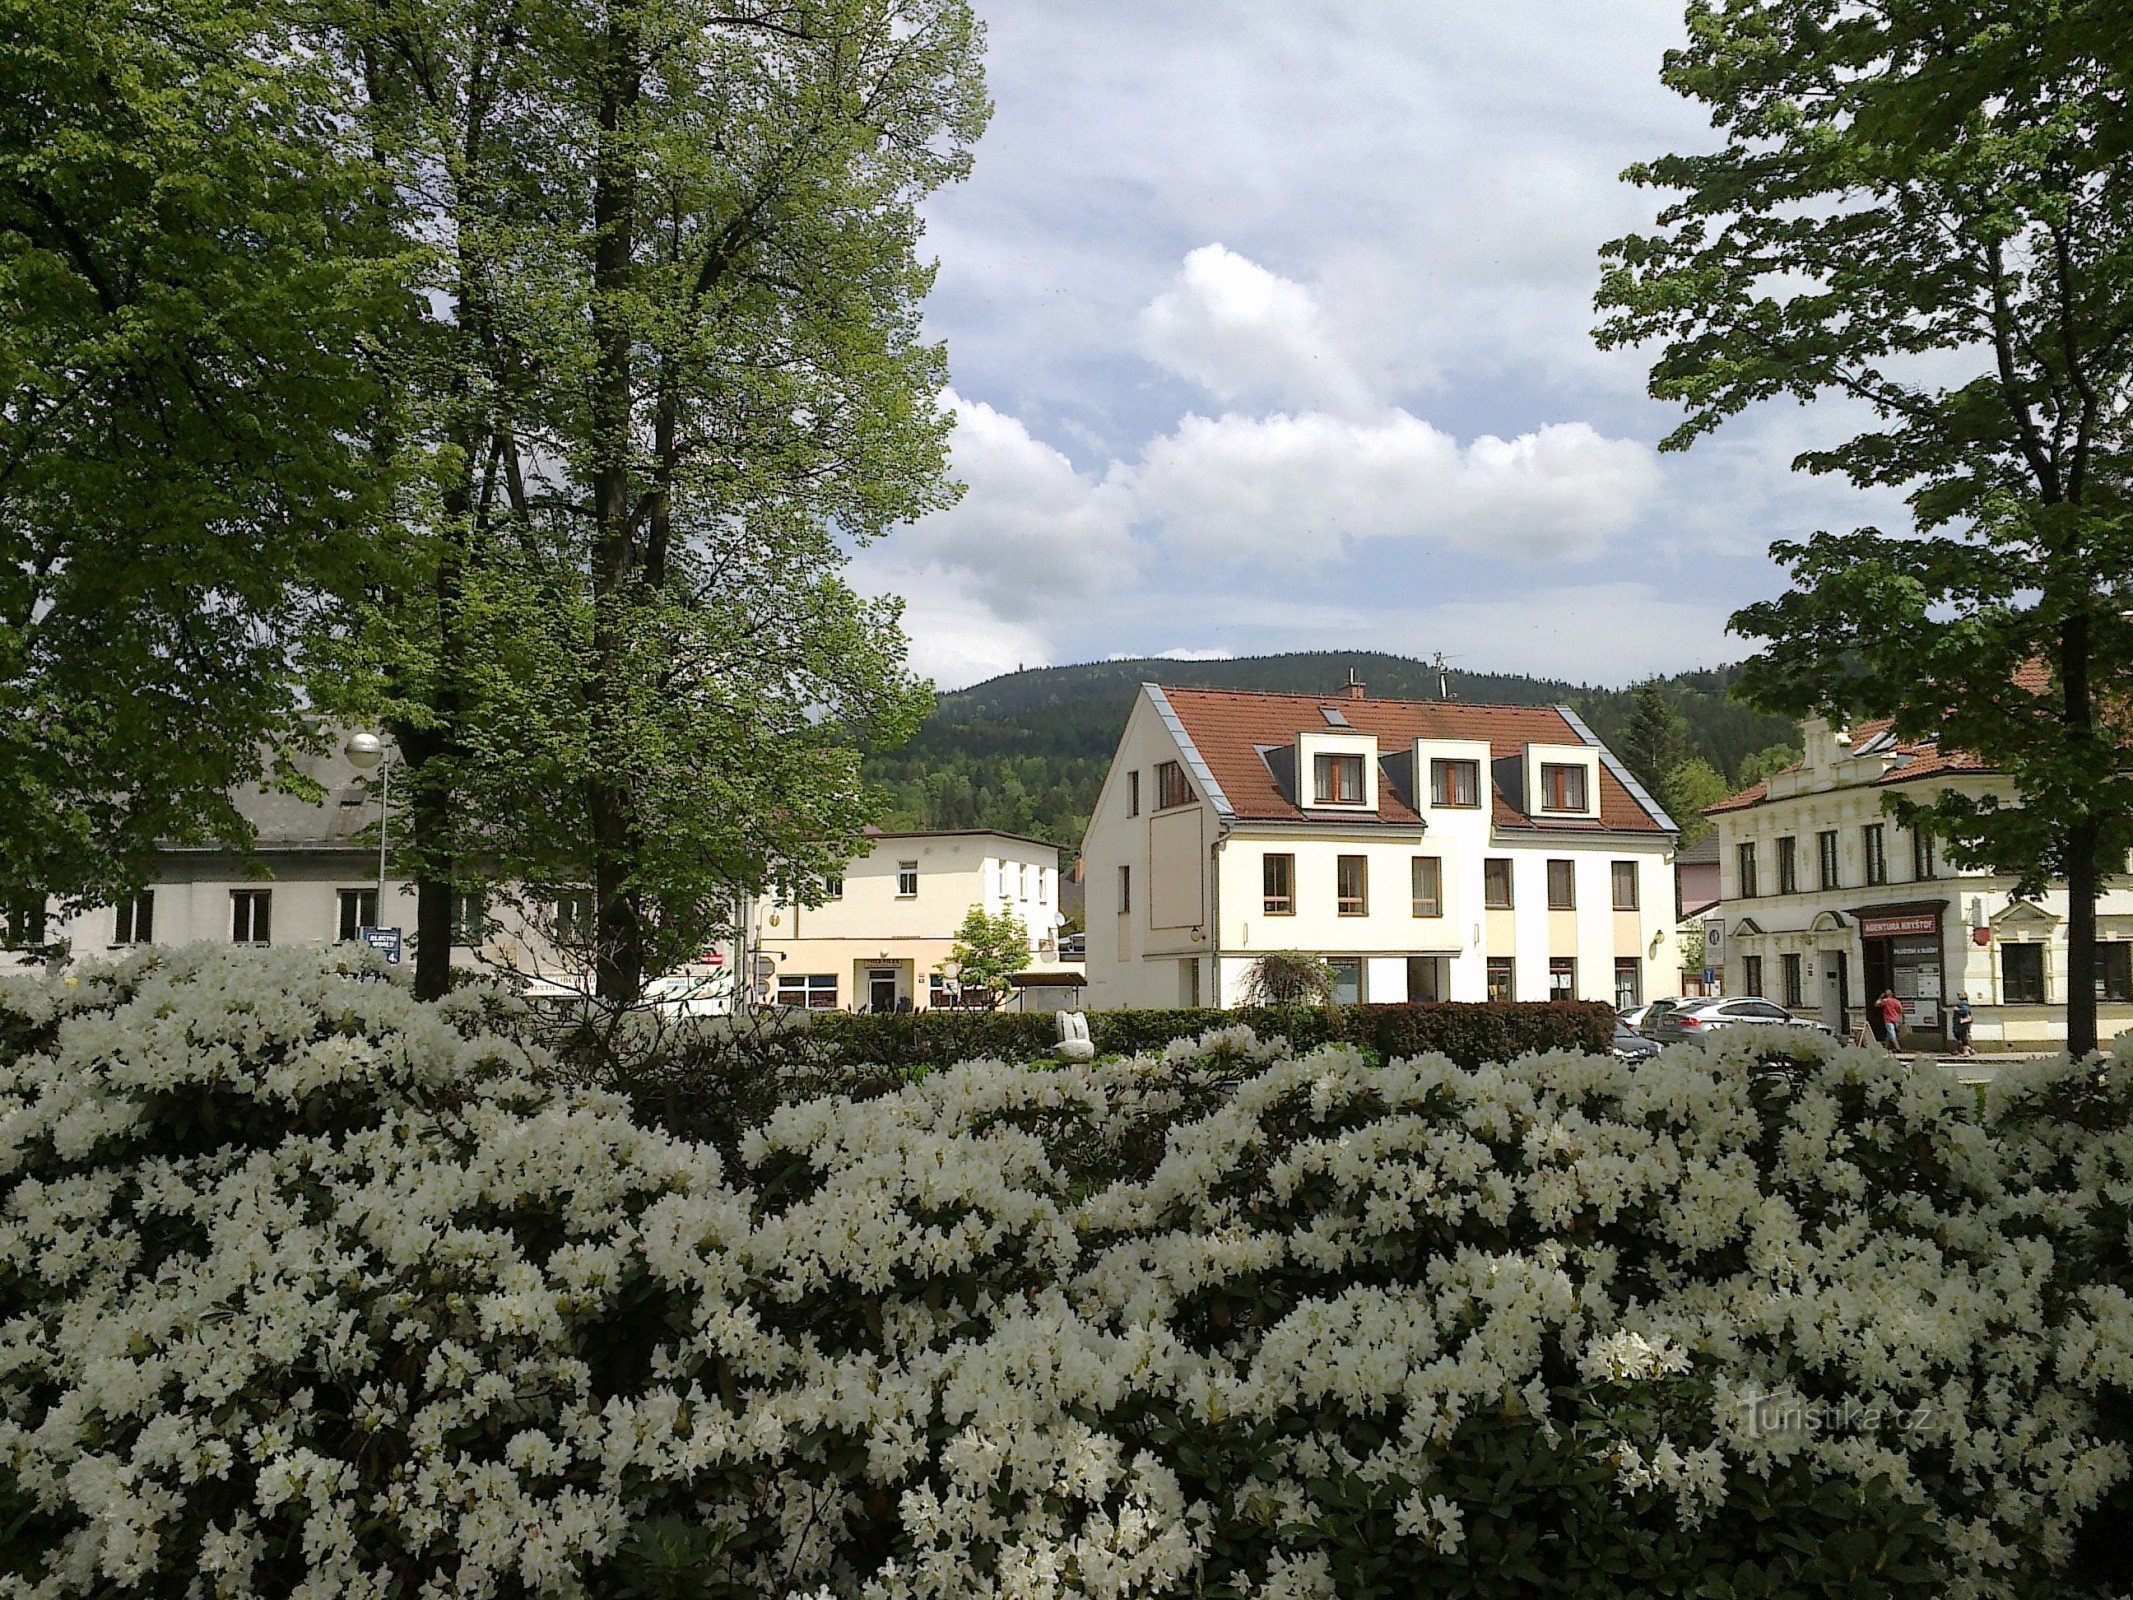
[1430,850]
[879,941]
[1827,901]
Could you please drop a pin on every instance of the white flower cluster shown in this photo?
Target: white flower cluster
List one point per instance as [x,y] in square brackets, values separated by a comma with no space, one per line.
[307,1289]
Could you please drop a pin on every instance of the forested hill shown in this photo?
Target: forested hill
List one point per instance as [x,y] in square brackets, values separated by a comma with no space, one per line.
[1028,751]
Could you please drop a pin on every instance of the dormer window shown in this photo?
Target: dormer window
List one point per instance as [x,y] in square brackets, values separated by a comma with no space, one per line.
[1171,789]
[1562,787]
[1455,783]
[1339,780]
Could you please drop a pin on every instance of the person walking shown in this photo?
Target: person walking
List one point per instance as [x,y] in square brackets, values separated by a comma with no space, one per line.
[1888,1012]
[1961,1018]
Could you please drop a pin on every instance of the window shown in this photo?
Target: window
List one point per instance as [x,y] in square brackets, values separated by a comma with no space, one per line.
[249,916]
[1751,974]
[1794,990]
[1043,885]
[1429,886]
[359,910]
[1826,849]
[1922,862]
[1125,889]
[1022,882]
[1455,783]
[833,886]
[25,923]
[1347,980]
[1744,860]
[1877,860]
[1425,980]
[1788,866]
[470,918]
[1340,780]
[1133,794]
[2022,974]
[906,880]
[1351,886]
[1562,886]
[1277,875]
[1629,982]
[1171,789]
[1562,786]
[808,992]
[1562,978]
[2114,972]
[575,916]
[1503,978]
[1624,874]
[136,922]
[1496,883]
[937,994]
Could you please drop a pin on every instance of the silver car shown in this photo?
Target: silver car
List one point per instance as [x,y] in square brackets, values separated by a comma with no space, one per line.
[1694,1019]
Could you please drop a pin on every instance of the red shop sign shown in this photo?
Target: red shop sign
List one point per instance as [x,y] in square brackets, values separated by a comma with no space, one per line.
[1897,927]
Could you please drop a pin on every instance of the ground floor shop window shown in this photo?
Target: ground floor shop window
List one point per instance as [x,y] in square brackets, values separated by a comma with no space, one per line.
[808,991]
[1347,980]
[1629,982]
[1562,978]
[1426,981]
[2022,974]
[1503,975]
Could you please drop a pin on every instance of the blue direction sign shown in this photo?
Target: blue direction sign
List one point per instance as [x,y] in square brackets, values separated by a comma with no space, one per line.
[386,941]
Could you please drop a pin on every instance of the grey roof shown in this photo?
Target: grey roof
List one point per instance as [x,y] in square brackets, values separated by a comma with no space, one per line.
[290,822]
[1622,774]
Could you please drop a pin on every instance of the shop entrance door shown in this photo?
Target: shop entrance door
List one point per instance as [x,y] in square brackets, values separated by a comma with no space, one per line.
[881,990]
[1880,971]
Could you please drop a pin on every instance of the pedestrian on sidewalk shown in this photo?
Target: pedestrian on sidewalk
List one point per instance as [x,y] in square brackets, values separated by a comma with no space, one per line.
[1888,1012]
[1962,1016]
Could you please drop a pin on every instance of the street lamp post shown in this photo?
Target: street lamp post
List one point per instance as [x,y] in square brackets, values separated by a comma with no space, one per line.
[366,753]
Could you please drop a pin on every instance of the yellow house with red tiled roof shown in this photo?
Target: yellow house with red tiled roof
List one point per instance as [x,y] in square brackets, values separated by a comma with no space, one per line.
[1429,850]
[1826,901]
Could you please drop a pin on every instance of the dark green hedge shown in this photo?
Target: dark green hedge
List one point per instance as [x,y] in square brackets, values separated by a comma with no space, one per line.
[1469,1034]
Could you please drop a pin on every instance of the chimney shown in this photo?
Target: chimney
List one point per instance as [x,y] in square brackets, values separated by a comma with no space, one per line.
[1355,684]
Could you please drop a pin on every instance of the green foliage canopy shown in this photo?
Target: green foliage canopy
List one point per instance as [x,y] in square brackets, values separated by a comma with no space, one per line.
[1926,212]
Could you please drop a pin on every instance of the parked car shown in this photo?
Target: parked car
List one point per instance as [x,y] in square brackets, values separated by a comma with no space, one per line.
[1695,1018]
[1630,1045]
[1637,1016]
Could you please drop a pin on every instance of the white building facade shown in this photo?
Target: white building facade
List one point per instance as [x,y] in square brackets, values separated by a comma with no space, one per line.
[883,938]
[1827,901]
[1429,850]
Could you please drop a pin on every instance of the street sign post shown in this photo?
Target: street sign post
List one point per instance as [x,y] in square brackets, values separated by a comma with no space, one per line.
[386,941]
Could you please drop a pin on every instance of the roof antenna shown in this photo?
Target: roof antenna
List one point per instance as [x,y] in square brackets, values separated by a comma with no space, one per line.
[1443,684]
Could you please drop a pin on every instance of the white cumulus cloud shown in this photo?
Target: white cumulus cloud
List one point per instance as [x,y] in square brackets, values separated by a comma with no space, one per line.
[1243,333]
[1295,489]
[1028,524]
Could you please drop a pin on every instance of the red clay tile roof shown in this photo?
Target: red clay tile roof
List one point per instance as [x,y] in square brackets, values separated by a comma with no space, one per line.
[1915,759]
[1231,727]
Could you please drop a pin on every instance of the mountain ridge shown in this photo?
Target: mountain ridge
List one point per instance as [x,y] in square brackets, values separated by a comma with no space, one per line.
[1026,751]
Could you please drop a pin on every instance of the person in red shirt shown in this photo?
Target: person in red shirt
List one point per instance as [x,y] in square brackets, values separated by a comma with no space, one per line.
[1888,1012]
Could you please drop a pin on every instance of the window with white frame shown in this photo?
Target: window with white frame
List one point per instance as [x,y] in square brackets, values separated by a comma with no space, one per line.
[470,918]
[135,922]
[907,880]
[250,916]
[359,910]
[815,991]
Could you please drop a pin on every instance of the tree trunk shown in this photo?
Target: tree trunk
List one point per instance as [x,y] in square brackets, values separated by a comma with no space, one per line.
[618,956]
[2081,842]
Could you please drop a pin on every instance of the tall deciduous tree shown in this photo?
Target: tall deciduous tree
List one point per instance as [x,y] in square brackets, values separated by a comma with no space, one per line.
[195,279]
[1925,213]
[677,373]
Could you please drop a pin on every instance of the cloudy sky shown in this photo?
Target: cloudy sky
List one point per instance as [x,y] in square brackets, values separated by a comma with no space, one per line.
[1269,329]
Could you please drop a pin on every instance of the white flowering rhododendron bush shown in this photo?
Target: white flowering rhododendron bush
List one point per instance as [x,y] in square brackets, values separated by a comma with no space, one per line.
[307,1289]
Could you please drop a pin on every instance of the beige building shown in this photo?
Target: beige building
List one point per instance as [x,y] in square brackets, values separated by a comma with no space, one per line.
[883,938]
[1827,901]
[1429,850]
[312,880]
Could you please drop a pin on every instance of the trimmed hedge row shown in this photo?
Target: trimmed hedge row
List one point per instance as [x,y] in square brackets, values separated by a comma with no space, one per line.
[1468,1034]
